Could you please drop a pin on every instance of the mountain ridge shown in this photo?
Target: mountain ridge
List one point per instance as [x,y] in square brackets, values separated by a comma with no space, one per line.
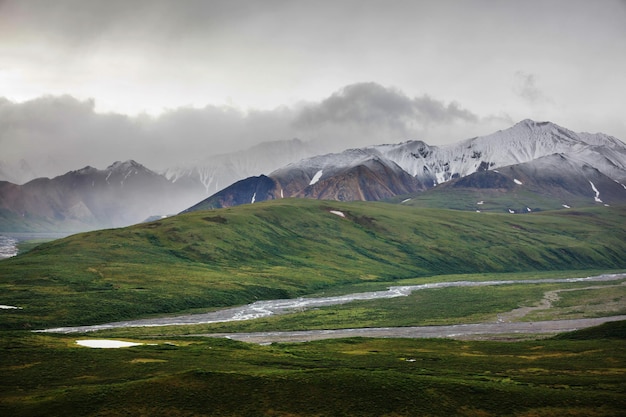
[124,193]
[430,166]
[412,172]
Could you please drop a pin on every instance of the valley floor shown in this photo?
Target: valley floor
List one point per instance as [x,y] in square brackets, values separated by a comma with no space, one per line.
[267,308]
[436,370]
[478,331]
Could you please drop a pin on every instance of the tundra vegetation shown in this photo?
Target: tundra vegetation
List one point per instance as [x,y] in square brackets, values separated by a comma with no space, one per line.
[210,259]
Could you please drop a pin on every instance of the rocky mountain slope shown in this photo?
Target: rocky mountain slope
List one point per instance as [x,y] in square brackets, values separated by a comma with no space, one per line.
[554,160]
[524,142]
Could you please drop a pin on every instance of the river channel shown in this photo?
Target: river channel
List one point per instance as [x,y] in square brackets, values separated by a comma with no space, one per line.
[273,307]
[8,246]
[10,240]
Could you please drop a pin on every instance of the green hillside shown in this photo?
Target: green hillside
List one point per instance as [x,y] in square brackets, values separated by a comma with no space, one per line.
[287,248]
[50,375]
[493,200]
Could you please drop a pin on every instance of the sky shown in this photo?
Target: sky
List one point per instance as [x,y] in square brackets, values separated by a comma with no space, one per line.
[88,82]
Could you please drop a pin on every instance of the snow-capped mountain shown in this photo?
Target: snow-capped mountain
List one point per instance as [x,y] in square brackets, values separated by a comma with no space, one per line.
[216,172]
[524,142]
[383,171]
[122,194]
[355,174]
[547,183]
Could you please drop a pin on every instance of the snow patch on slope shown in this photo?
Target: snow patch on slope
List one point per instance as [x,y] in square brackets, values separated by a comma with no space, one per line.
[595,190]
[106,344]
[316,177]
[338,213]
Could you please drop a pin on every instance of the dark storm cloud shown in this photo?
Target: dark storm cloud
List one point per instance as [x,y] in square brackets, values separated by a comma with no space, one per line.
[372,105]
[149,55]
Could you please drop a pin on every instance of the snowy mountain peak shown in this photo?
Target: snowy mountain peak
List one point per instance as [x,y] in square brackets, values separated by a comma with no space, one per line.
[86,170]
[523,142]
[532,124]
[125,166]
[432,165]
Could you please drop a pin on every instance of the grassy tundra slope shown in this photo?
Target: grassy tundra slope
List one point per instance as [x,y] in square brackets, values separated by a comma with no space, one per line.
[287,248]
[579,375]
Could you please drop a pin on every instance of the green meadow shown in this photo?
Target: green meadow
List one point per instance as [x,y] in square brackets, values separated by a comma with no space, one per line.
[580,374]
[206,260]
[289,248]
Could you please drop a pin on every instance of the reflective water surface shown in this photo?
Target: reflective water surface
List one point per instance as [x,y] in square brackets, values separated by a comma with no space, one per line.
[9,241]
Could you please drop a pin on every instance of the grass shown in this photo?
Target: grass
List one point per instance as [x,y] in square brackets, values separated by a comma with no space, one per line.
[287,248]
[518,199]
[582,374]
[28,245]
[284,249]
[585,302]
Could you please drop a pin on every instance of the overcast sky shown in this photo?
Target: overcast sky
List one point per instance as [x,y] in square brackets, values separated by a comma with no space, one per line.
[161,81]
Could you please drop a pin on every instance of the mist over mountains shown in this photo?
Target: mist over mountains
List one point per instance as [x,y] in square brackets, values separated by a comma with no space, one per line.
[49,135]
[528,167]
[122,194]
[216,172]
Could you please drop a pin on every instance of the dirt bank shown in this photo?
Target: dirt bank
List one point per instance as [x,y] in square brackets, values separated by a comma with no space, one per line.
[458,331]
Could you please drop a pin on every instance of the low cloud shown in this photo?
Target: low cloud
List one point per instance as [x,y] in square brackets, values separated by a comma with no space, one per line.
[370,113]
[525,86]
[55,134]
[370,104]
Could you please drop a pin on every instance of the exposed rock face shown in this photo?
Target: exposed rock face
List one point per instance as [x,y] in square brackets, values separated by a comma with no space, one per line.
[539,158]
[371,179]
[247,191]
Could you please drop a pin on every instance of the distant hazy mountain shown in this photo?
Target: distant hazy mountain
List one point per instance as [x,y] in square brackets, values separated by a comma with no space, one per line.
[89,198]
[216,172]
[127,192]
[549,160]
[17,172]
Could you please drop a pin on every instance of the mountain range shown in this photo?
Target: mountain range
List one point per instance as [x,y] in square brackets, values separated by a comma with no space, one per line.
[529,167]
[127,192]
[122,194]
[537,164]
